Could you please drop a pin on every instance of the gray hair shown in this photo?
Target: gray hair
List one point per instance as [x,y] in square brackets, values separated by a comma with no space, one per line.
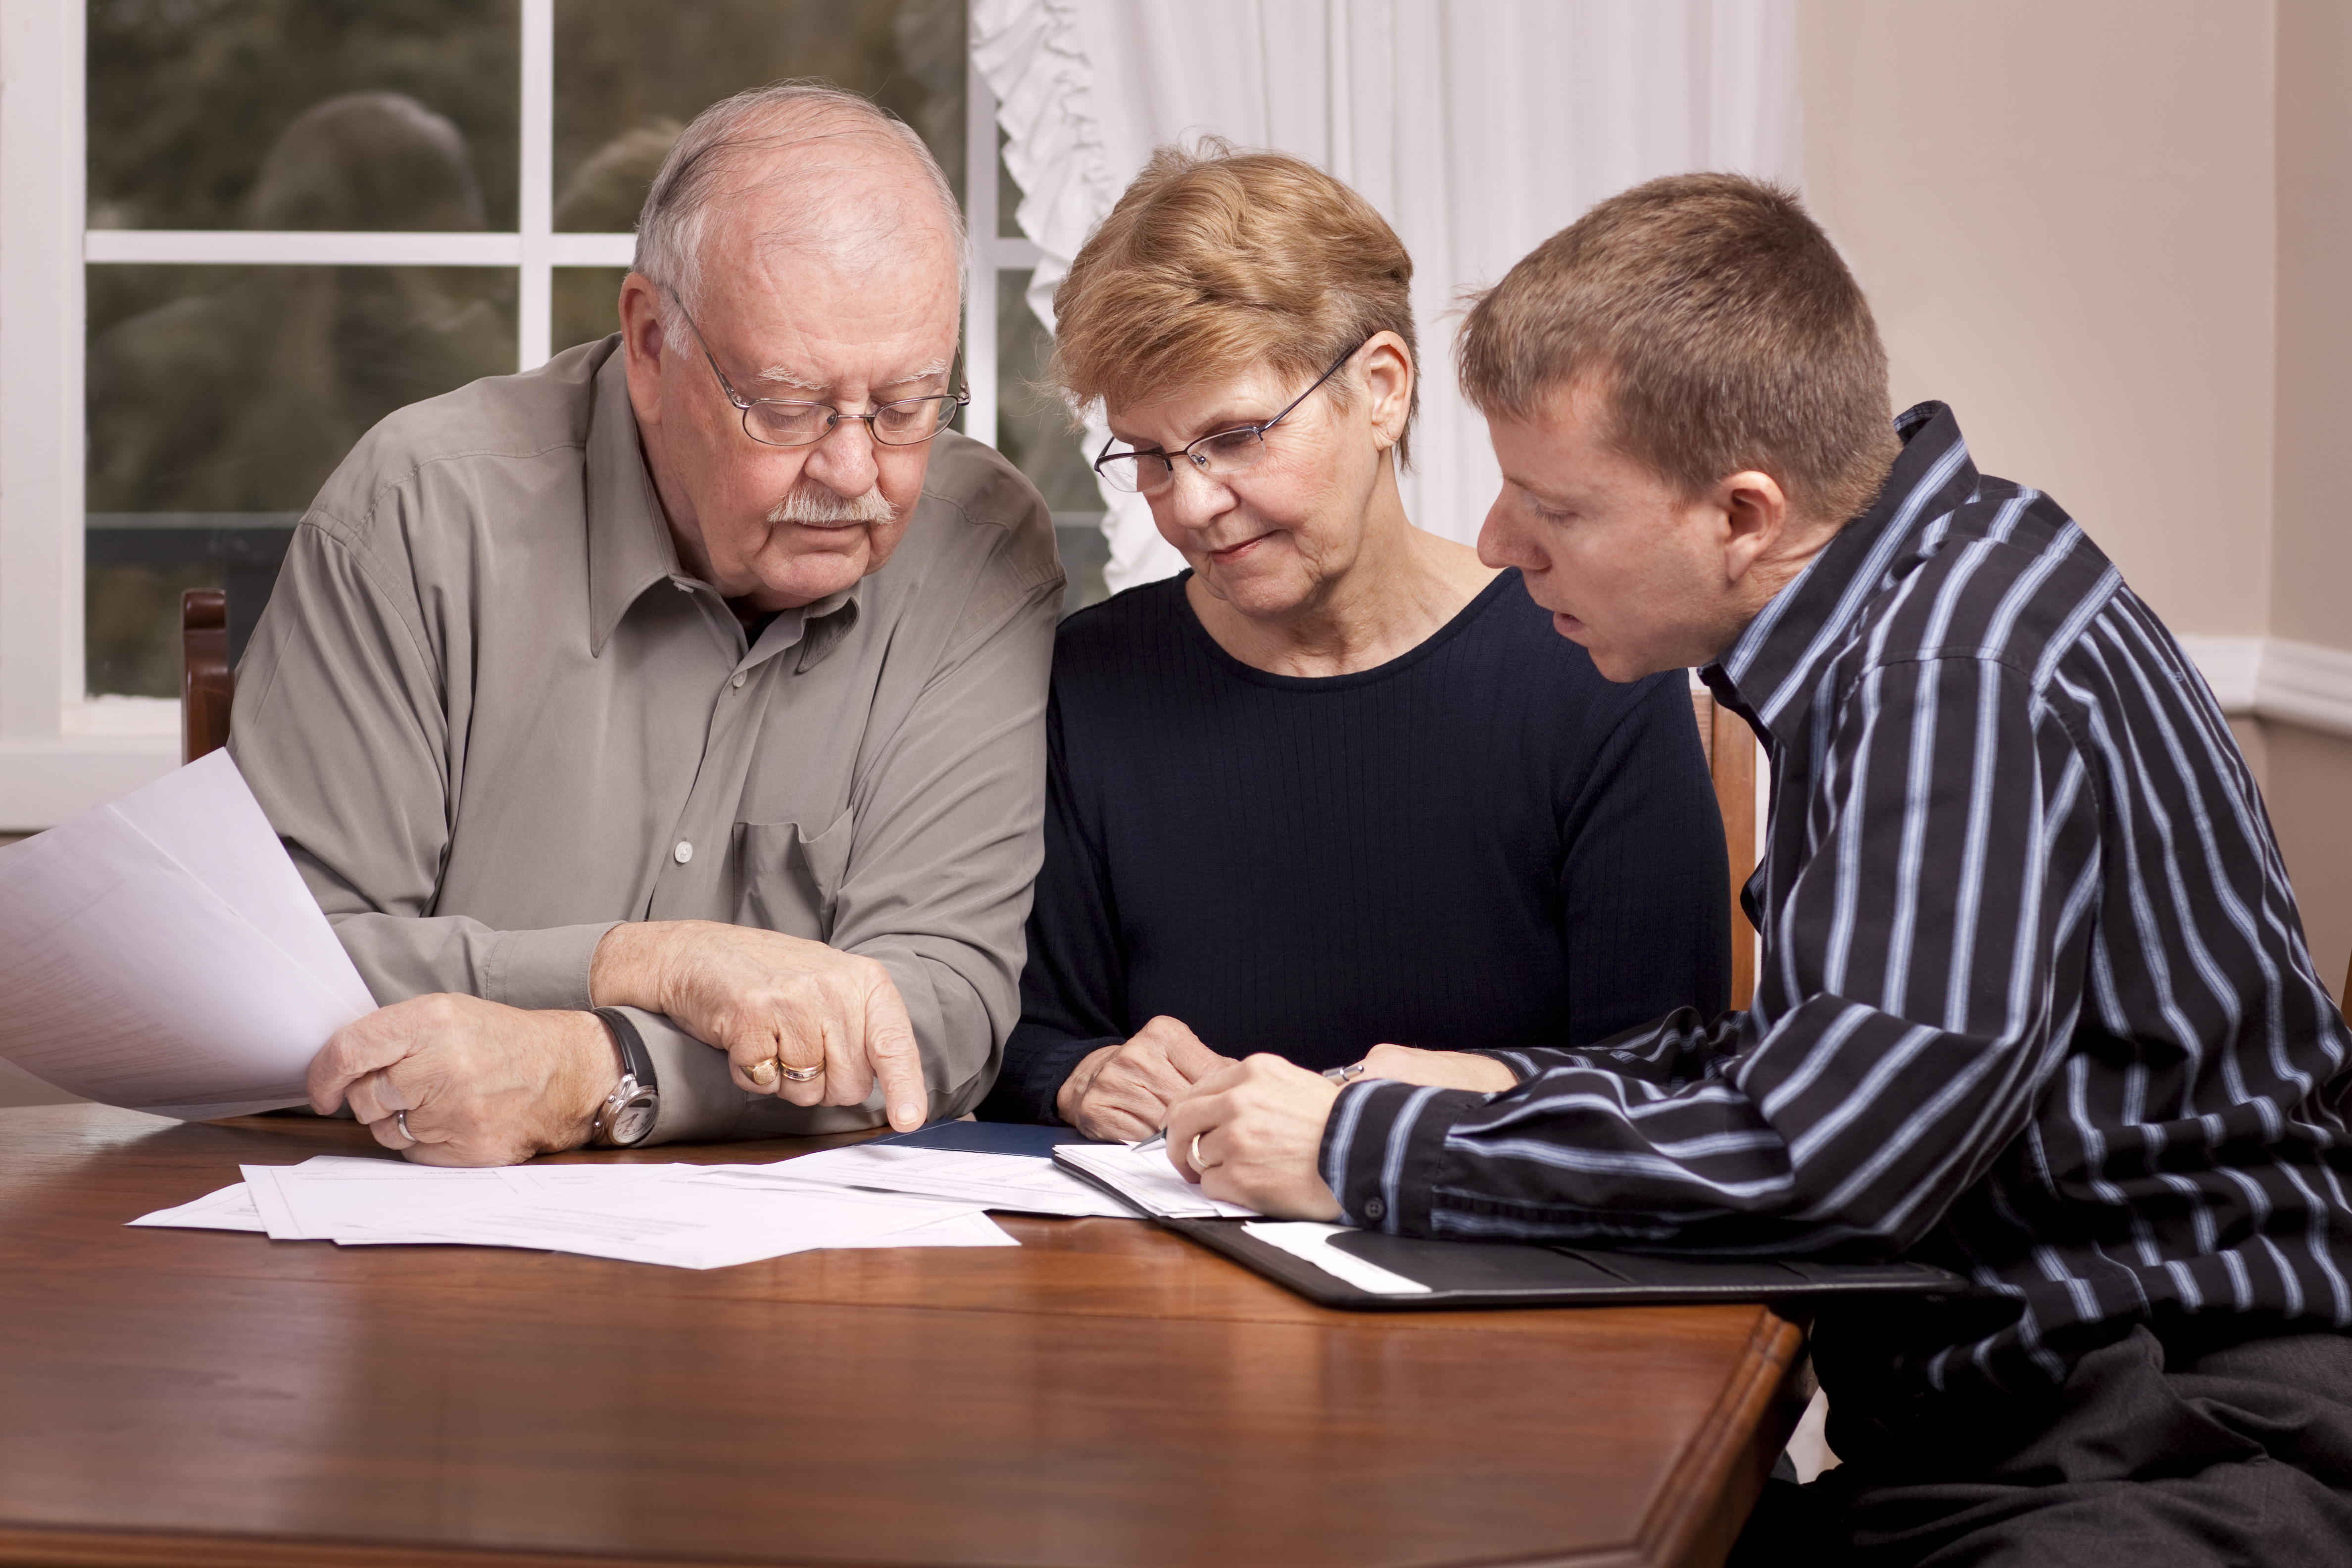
[782,114]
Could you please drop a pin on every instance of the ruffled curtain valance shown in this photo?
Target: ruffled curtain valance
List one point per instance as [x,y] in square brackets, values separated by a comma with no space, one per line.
[1477,127]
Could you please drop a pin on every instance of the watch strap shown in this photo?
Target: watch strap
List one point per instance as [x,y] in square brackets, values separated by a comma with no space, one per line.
[636,1060]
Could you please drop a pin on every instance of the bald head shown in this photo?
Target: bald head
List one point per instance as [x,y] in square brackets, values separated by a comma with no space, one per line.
[792,169]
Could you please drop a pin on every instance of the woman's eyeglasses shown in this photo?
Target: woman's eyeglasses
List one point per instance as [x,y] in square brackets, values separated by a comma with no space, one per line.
[1148,470]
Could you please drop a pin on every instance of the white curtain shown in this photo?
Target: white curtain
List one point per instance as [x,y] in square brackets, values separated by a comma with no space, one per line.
[1476,127]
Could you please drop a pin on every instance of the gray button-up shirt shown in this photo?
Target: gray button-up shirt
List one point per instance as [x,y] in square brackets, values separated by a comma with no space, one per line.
[491,715]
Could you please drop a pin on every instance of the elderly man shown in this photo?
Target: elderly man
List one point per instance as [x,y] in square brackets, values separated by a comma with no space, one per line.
[662,729]
[2034,1003]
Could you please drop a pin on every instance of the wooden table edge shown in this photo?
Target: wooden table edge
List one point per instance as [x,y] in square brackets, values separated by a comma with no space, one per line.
[1733,1467]
[68,1546]
[1733,1456]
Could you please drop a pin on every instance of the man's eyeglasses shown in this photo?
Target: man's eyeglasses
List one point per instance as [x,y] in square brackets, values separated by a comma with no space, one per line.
[788,422]
[1148,470]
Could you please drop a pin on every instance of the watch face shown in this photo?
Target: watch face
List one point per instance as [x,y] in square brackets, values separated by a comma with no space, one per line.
[635,1120]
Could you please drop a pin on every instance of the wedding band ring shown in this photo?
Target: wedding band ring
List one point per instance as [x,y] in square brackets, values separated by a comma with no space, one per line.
[801,1075]
[1199,1163]
[400,1120]
[761,1072]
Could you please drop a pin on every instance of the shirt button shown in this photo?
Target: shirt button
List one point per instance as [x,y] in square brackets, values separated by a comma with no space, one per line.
[1374,1208]
[737,683]
[684,852]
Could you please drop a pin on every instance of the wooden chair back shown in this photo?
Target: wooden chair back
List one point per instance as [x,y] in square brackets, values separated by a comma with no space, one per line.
[207,684]
[1731,748]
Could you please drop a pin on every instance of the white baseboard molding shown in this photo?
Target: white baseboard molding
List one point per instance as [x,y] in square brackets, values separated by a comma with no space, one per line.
[2306,684]
[2272,678]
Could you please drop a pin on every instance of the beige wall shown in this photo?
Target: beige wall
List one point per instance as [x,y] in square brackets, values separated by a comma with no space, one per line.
[2311,576]
[2308,776]
[2116,236]
[2063,216]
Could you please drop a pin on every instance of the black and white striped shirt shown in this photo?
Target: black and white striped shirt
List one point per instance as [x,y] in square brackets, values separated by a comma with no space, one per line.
[2035,1001]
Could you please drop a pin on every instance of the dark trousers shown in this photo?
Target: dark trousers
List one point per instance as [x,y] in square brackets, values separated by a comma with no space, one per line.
[2240,1455]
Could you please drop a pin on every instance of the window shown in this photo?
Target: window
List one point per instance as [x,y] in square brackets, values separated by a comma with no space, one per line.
[238,232]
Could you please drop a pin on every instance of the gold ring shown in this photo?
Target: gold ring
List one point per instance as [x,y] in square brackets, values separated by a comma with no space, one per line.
[762,1072]
[1198,1164]
[801,1075]
[400,1120]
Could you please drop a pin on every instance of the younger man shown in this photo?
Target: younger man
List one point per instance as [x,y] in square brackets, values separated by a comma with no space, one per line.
[2034,1001]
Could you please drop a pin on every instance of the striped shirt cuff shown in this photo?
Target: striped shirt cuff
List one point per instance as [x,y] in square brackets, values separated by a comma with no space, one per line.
[1382,1148]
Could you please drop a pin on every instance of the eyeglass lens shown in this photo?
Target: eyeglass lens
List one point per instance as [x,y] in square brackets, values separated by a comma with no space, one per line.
[1149,473]
[1225,452]
[909,422]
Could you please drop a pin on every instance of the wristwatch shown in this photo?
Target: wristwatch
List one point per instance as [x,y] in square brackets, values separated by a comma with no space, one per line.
[627,1116]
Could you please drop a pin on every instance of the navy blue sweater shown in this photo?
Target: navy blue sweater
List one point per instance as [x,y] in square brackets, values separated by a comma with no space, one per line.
[1482,843]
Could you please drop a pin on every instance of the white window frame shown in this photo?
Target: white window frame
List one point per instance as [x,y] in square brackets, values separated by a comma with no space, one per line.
[61,750]
[991,253]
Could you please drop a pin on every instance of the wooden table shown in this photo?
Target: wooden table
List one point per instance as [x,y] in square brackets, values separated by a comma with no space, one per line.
[1107,1394]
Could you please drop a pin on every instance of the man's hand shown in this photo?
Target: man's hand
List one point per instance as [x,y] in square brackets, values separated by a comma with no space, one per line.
[1122,1092]
[1258,1129]
[482,1084]
[774,1003]
[1445,1070]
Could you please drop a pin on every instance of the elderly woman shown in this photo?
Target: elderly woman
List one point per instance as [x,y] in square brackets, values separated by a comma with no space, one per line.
[1339,784]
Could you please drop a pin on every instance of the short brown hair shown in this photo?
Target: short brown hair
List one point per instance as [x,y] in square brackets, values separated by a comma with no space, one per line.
[1217,260]
[1721,325]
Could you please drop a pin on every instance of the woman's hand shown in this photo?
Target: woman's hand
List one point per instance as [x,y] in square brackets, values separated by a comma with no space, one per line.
[1445,1070]
[1122,1092]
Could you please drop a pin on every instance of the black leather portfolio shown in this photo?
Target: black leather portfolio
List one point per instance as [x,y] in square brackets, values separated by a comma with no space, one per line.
[1501,1274]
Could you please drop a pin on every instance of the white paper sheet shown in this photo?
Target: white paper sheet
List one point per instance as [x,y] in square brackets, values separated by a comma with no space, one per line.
[688,1217]
[206,818]
[153,955]
[323,1197]
[685,1223]
[961,1230]
[1310,1242]
[1145,1177]
[1014,1184]
[231,1208]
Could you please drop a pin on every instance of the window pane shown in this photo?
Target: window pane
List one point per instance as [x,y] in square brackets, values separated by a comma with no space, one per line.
[587,301]
[1008,194]
[1034,429]
[219,399]
[629,74]
[303,114]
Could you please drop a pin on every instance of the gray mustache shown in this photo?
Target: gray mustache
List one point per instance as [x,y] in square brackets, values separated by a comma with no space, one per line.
[815,504]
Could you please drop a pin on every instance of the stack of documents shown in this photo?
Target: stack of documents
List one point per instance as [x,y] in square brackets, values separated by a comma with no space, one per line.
[894,1193]
[1017,1184]
[1140,1174]
[162,953]
[688,1217]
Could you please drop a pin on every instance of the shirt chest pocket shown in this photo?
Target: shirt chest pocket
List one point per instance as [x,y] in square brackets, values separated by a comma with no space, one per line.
[790,880]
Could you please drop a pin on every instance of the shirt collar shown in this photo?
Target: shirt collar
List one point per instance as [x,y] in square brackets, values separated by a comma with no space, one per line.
[1772,667]
[629,544]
